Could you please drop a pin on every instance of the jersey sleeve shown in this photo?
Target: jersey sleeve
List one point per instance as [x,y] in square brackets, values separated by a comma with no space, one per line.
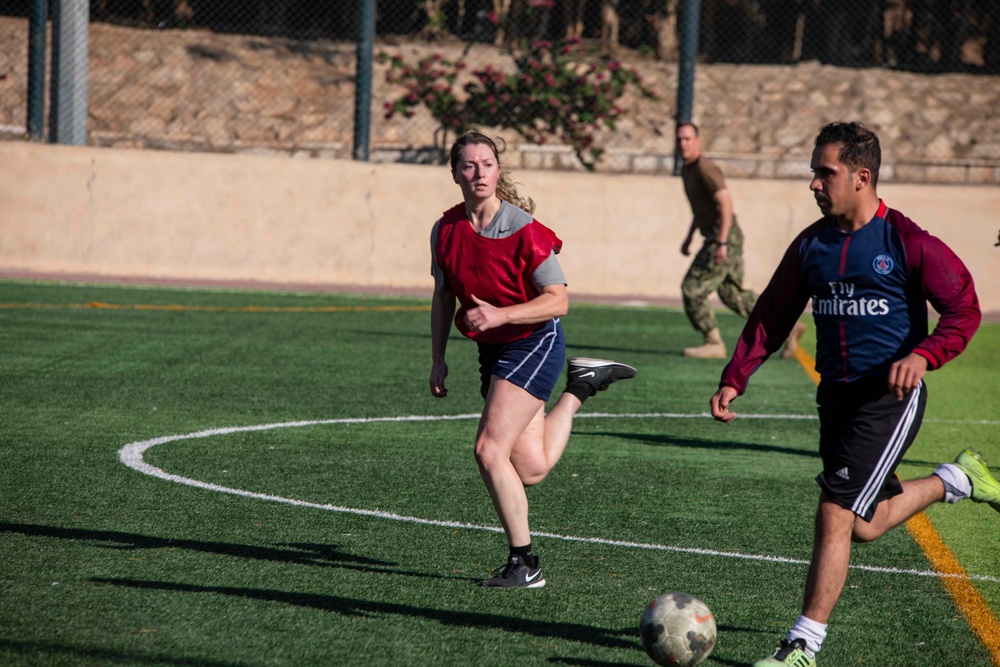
[777,309]
[947,285]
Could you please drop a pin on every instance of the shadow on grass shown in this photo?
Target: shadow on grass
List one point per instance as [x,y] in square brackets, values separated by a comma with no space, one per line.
[714,659]
[668,441]
[583,662]
[103,656]
[322,555]
[586,634]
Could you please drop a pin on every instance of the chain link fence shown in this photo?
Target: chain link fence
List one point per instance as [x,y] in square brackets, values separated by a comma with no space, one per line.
[278,76]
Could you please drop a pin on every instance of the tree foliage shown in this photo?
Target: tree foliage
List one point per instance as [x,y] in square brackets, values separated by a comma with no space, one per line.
[556,92]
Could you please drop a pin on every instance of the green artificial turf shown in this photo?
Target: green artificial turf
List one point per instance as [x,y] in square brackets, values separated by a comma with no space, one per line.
[348,533]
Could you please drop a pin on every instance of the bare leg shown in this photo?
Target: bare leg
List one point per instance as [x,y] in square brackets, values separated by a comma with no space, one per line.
[917,495]
[837,527]
[830,560]
[518,445]
[542,444]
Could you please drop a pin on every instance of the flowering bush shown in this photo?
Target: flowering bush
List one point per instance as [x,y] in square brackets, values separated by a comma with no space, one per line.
[556,91]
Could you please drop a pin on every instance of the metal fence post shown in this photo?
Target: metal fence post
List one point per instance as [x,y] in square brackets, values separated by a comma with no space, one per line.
[363,81]
[68,111]
[36,69]
[690,19]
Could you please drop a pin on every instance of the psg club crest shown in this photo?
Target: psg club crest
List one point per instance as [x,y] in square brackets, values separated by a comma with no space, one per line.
[882,265]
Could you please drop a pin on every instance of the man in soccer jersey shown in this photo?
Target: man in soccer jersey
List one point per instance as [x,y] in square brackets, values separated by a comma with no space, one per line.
[869,273]
[718,265]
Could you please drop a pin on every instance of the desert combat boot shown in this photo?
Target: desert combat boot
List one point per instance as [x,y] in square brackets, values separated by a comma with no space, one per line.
[713,348]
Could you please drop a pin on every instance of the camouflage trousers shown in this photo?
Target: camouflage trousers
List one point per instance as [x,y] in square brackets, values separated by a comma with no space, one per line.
[706,276]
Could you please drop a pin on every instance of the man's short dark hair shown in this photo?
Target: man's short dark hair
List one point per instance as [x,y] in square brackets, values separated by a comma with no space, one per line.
[687,123]
[859,146]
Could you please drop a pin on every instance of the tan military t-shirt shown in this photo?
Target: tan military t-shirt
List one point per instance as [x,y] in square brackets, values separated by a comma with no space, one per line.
[702,180]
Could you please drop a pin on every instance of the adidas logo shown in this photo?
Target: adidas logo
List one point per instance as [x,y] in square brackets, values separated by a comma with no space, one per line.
[843,474]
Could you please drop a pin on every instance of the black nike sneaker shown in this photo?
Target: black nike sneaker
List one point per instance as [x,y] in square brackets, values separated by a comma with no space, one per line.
[515,574]
[598,374]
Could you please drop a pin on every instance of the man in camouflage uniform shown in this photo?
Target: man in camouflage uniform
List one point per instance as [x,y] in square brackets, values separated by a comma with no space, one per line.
[718,266]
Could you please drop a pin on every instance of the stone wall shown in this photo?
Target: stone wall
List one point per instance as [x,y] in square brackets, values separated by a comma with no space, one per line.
[201,91]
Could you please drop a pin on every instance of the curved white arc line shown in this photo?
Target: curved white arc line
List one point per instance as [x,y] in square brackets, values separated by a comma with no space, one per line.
[131,455]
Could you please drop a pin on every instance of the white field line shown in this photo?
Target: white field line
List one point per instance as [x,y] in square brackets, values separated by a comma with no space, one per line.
[132,456]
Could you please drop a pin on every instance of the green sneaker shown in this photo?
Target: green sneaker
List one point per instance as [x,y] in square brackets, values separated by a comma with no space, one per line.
[985,488]
[789,654]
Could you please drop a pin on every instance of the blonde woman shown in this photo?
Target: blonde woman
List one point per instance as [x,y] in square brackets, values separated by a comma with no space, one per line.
[497,264]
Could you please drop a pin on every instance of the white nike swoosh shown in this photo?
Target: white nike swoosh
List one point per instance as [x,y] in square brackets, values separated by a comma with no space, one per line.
[588,374]
[531,577]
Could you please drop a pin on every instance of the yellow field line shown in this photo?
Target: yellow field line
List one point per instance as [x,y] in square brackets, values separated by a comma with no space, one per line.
[977,612]
[808,364]
[216,309]
[966,597]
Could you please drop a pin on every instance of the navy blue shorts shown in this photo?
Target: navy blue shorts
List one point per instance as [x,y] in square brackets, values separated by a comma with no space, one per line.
[533,363]
[863,433]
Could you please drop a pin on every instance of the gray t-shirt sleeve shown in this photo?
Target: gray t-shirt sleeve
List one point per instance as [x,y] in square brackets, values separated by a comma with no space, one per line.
[508,220]
[549,273]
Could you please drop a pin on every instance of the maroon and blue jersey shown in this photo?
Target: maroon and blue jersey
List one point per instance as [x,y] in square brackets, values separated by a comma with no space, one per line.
[869,291]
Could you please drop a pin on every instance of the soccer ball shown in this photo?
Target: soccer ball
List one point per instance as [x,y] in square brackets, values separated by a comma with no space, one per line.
[677,629]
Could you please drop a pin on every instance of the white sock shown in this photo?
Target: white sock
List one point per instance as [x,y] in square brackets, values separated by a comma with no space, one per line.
[814,633]
[957,485]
